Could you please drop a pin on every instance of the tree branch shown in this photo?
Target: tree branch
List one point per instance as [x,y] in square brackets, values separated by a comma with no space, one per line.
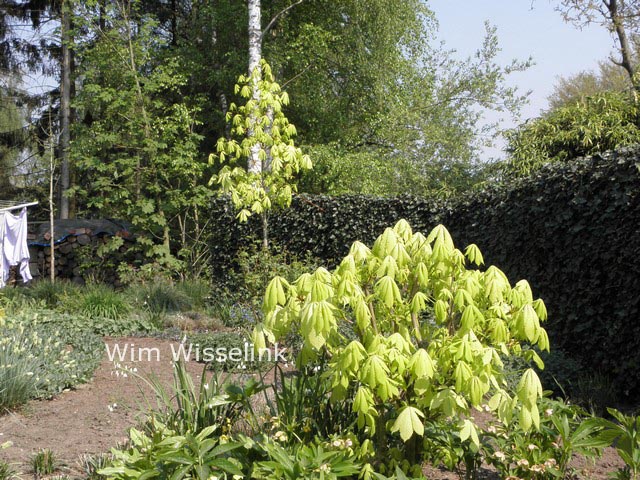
[276,17]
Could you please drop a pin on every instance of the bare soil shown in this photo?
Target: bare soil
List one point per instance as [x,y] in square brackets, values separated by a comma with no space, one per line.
[95,417]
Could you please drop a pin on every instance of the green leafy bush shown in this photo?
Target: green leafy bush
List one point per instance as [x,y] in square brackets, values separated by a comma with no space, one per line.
[257,266]
[186,407]
[187,436]
[167,454]
[429,335]
[302,408]
[603,121]
[544,452]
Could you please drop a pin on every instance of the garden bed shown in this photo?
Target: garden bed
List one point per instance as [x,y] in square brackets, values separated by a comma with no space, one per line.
[95,417]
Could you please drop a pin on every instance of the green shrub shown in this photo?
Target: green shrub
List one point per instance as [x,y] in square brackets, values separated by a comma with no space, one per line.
[256,267]
[167,454]
[429,335]
[544,452]
[301,407]
[187,436]
[185,407]
[318,459]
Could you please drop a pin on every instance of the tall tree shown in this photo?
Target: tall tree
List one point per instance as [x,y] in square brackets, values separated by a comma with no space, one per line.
[621,18]
[66,40]
[137,148]
[271,135]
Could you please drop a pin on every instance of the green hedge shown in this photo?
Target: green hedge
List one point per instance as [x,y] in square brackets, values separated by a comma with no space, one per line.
[572,230]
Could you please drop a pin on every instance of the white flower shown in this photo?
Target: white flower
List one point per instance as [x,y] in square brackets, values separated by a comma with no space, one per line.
[538,468]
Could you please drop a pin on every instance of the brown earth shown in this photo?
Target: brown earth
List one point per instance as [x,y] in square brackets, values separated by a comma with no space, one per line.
[95,417]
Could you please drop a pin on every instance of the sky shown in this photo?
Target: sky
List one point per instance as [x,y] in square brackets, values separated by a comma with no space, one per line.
[525,28]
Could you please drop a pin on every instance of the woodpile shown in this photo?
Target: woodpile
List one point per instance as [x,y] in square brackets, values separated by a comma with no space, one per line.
[76,256]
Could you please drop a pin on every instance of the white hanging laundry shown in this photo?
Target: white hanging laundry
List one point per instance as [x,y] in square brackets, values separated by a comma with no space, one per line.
[13,237]
[4,271]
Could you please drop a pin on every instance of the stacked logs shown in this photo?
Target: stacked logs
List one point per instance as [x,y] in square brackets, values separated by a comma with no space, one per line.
[76,257]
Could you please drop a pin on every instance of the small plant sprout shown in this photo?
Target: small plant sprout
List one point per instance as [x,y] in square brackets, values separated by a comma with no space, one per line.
[43,462]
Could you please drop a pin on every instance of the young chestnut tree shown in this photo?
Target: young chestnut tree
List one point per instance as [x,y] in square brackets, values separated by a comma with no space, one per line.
[259,126]
[428,334]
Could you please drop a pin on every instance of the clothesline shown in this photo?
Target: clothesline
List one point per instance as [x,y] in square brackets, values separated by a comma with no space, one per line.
[7,206]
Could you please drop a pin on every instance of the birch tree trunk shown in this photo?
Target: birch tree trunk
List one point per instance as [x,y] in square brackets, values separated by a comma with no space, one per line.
[255,54]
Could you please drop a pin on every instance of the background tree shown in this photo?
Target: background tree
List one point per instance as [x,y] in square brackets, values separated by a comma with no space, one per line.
[620,17]
[607,78]
[137,149]
[33,53]
[368,80]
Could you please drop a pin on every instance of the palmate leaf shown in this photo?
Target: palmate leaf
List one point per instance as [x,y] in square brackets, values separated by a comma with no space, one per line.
[408,423]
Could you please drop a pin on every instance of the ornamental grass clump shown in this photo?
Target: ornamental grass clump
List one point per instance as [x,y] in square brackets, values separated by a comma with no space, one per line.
[428,331]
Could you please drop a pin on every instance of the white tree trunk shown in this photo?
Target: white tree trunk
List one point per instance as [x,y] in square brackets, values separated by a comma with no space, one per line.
[255,54]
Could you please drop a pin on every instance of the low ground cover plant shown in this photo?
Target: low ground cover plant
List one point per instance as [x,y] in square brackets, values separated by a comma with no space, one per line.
[40,357]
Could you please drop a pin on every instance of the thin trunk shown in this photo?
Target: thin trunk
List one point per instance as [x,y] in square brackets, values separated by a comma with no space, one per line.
[265,231]
[617,20]
[224,105]
[174,23]
[65,108]
[255,54]
[52,165]
[101,16]
[143,111]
